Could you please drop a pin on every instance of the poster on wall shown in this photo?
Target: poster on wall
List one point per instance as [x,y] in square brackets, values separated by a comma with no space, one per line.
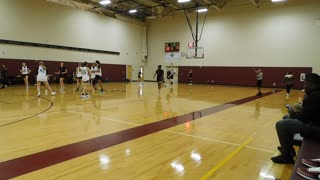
[171,50]
[172,47]
[302,76]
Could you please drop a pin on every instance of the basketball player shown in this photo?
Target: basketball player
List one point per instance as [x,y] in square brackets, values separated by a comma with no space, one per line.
[159,72]
[288,80]
[98,72]
[86,74]
[4,76]
[190,77]
[25,71]
[170,75]
[259,80]
[42,77]
[78,76]
[93,75]
[62,74]
[139,76]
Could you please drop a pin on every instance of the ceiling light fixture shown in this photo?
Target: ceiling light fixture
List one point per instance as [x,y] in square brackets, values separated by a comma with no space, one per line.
[202,10]
[133,11]
[105,2]
[183,1]
[277,0]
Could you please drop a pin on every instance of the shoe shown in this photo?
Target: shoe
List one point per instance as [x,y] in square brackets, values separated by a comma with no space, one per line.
[61,89]
[38,95]
[309,173]
[83,96]
[311,162]
[87,96]
[283,159]
[53,93]
[259,94]
[292,151]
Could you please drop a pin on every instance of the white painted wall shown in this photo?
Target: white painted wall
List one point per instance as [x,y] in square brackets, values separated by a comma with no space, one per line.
[44,22]
[285,34]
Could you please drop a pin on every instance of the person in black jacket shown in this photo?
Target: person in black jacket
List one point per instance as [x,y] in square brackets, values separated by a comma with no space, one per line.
[62,72]
[4,76]
[306,122]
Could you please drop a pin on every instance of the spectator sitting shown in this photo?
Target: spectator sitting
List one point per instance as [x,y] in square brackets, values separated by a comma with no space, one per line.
[306,122]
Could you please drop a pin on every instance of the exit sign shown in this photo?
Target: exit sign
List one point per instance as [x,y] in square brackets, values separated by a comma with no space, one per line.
[190,44]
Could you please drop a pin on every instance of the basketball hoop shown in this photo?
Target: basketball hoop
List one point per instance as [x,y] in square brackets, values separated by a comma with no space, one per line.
[195,53]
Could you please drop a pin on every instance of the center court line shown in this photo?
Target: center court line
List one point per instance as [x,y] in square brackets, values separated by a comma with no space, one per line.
[29,163]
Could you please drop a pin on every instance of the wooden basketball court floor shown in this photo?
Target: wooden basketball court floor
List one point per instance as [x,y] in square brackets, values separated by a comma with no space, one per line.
[133,132]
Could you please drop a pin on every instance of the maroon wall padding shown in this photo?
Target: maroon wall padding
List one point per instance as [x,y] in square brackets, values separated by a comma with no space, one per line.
[114,72]
[110,72]
[240,76]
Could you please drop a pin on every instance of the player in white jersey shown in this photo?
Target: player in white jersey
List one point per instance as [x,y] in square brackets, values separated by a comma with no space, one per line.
[78,76]
[259,80]
[25,71]
[86,75]
[98,72]
[42,77]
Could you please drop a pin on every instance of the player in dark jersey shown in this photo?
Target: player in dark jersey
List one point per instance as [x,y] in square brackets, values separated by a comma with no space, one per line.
[160,73]
[62,74]
[190,77]
[98,72]
[170,75]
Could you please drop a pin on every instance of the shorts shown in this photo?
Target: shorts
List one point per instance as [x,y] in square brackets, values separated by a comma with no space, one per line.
[98,77]
[62,76]
[42,78]
[80,77]
[259,83]
[85,78]
[24,75]
[160,80]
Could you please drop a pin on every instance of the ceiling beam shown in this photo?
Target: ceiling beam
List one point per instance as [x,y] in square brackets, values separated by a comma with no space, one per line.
[213,5]
[255,3]
[80,6]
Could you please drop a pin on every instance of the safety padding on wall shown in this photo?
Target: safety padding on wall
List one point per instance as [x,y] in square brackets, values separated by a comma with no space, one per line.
[240,76]
[110,72]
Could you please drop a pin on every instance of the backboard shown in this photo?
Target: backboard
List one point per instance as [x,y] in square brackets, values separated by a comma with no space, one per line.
[195,53]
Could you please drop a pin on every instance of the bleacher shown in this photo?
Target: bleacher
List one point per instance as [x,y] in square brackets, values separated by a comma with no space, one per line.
[310,149]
